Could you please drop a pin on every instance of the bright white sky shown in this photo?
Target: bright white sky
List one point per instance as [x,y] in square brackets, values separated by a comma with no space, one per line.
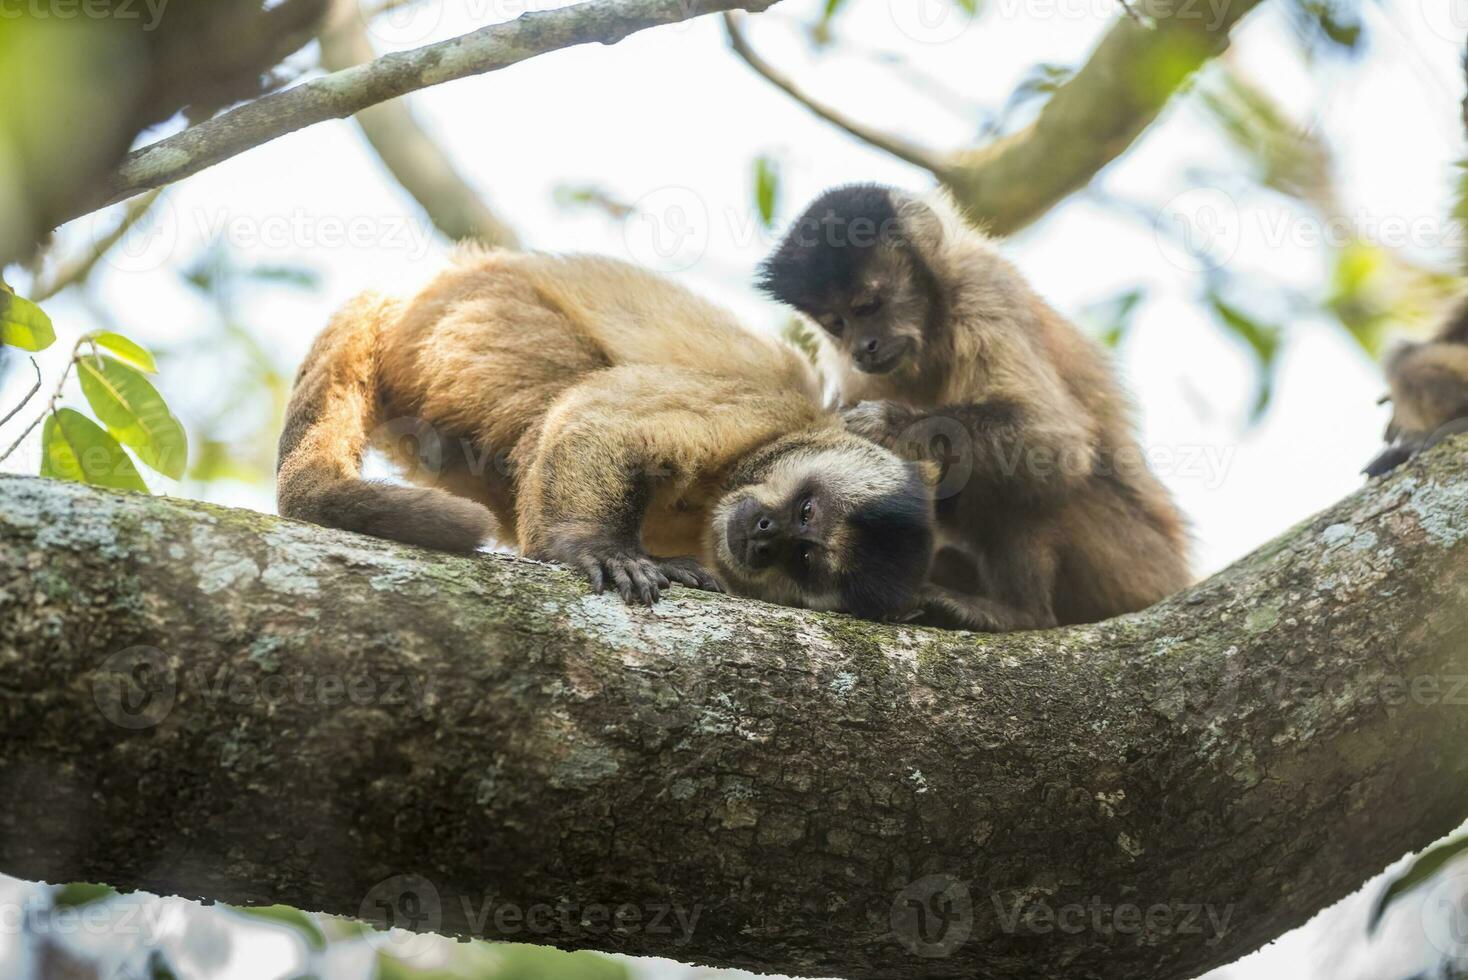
[672,119]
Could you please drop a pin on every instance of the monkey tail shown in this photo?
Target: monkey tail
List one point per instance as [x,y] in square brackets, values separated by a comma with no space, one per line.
[333,409]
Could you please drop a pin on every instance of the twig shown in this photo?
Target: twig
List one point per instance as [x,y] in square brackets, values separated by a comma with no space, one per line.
[50,404]
[343,93]
[28,395]
[893,144]
[76,271]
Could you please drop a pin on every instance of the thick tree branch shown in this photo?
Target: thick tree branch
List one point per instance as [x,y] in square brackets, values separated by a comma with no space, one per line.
[343,93]
[1088,122]
[413,157]
[210,702]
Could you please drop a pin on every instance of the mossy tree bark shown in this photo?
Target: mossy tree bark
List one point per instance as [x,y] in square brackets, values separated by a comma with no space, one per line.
[213,703]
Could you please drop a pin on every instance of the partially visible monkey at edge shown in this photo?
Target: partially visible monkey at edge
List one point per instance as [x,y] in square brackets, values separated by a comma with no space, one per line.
[1428,391]
[1056,518]
[598,415]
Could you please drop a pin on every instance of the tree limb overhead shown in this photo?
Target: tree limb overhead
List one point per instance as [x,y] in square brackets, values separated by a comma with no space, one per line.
[210,702]
[343,93]
[414,158]
[1089,121]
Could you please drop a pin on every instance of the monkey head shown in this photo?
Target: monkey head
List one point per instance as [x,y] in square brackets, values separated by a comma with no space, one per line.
[829,521]
[857,262]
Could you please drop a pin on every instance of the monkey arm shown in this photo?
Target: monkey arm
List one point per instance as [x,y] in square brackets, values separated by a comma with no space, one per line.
[1002,447]
[605,451]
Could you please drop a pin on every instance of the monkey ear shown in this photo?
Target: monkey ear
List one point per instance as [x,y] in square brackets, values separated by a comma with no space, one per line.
[921,225]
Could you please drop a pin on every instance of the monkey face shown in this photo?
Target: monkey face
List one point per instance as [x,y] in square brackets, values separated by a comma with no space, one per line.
[878,322]
[853,264]
[845,526]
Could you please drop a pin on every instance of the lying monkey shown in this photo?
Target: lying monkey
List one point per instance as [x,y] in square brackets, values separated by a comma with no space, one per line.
[599,415]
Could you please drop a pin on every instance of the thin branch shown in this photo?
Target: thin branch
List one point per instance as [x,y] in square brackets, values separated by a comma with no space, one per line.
[50,403]
[897,146]
[344,93]
[28,396]
[412,156]
[80,267]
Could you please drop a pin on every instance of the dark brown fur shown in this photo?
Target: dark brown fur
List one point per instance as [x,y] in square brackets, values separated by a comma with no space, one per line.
[1048,512]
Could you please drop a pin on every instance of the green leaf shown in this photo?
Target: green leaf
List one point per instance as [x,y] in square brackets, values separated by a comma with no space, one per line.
[73,447]
[1263,340]
[134,413]
[766,189]
[23,324]
[970,7]
[284,915]
[1427,864]
[80,893]
[125,350]
[1112,319]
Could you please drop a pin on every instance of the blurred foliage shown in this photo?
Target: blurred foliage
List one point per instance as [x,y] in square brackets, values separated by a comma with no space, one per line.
[766,189]
[237,424]
[302,924]
[802,338]
[1262,339]
[1111,320]
[97,79]
[1418,873]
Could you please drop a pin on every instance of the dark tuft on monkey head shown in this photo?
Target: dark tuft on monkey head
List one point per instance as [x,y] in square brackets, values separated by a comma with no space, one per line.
[890,551]
[829,246]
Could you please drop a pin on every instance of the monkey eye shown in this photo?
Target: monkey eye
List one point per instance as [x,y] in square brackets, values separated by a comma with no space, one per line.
[835,324]
[807,509]
[868,308]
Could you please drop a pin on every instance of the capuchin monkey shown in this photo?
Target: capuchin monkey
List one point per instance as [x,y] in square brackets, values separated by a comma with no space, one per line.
[595,414]
[1429,394]
[1048,513]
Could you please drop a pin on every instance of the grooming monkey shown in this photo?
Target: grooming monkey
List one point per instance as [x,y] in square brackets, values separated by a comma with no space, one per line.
[1429,394]
[607,419]
[1048,513]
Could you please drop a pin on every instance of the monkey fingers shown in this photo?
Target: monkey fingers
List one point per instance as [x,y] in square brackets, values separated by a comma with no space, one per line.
[687,571]
[636,577]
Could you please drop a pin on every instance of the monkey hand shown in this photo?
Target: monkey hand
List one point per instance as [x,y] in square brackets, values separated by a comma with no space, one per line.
[881,422]
[636,575]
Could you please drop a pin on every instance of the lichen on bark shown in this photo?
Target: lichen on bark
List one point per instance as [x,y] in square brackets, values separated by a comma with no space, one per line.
[220,704]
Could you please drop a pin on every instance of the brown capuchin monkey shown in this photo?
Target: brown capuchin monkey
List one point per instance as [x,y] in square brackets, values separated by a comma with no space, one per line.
[1429,394]
[1048,513]
[598,415]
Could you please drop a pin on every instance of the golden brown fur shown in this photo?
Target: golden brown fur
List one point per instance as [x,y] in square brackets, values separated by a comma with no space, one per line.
[600,413]
[1049,504]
